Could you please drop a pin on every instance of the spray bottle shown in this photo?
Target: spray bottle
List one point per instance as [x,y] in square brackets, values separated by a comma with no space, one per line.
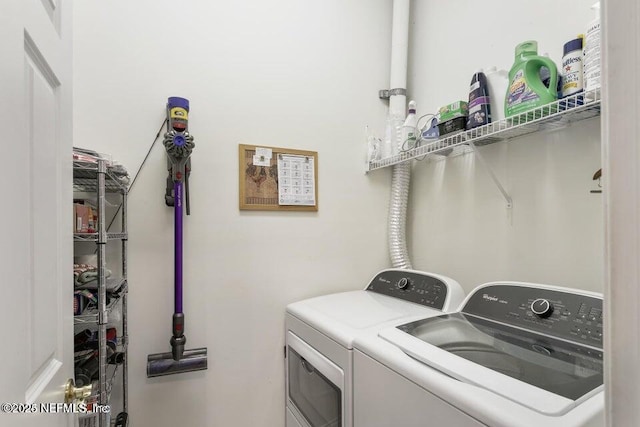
[408,139]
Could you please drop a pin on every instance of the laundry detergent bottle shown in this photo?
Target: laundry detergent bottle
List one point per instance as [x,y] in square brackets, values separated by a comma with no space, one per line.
[526,89]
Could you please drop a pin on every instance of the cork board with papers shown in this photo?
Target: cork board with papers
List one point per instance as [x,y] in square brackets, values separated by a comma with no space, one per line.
[281,179]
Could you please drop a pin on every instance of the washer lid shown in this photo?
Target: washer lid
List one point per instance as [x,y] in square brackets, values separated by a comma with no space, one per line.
[545,374]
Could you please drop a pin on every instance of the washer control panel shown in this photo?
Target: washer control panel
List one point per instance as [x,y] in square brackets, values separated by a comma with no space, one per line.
[557,313]
[420,288]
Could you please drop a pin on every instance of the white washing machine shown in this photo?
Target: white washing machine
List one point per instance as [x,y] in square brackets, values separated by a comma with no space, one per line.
[320,333]
[514,355]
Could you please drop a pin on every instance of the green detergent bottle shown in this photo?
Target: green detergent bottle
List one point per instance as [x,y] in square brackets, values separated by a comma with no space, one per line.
[526,90]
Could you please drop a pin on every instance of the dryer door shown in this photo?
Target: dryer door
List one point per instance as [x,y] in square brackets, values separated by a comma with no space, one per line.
[315,385]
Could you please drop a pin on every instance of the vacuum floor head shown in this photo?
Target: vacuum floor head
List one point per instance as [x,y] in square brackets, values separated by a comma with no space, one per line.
[160,364]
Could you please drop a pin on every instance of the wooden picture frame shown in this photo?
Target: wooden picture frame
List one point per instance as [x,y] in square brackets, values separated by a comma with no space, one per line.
[259,184]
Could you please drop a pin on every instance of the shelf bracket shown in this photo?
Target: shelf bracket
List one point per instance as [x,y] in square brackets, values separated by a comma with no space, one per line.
[493,176]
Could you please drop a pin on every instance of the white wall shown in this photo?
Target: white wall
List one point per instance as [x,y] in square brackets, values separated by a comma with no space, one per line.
[282,73]
[305,75]
[459,224]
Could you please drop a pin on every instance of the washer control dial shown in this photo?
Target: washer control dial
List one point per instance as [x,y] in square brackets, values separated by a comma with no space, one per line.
[542,307]
[404,283]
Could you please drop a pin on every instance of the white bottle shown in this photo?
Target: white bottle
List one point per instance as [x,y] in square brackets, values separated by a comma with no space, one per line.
[497,80]
[408,134]
[592,57]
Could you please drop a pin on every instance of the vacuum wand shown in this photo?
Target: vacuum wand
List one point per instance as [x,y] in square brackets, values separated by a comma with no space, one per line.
[178,339]
[178,143]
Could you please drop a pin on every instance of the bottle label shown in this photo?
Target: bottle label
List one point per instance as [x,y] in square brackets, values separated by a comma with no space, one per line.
[479,111]
[572,73]
[519,91]
[592,57]
[477,103]
[521,96]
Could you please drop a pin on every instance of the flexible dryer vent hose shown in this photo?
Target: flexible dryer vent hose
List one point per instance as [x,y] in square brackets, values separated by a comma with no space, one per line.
[400,182]
[397,109]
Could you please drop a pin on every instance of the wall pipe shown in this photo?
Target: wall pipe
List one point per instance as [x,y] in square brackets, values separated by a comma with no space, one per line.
[401,175]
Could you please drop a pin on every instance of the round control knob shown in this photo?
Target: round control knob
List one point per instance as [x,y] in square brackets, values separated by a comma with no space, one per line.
[403,283]
[542,307]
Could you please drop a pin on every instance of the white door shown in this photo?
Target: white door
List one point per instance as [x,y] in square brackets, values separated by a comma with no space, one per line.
[621,168]
[36,244]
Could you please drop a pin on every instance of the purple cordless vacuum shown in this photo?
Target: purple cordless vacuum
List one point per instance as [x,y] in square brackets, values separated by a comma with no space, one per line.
[178,143]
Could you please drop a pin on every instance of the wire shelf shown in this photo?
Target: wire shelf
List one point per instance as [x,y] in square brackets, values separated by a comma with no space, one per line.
[85,179]
[555,115]
[99,178]
[91,315]
[93,237]
[91,419]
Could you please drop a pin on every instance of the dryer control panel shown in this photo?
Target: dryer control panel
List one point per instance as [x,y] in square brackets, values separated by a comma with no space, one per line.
[412,286]
[561,314]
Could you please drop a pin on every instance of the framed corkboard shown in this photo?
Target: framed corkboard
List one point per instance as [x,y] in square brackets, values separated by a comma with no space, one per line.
[259,186]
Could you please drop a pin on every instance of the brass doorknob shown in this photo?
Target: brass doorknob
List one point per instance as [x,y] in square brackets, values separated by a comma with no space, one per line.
[73,393]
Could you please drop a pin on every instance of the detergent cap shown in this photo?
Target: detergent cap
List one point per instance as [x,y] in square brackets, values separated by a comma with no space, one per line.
[571,45]
[530,47]
[412,107]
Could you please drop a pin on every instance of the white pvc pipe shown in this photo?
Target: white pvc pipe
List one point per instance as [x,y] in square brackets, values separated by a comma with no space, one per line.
[401,176]
[399,55]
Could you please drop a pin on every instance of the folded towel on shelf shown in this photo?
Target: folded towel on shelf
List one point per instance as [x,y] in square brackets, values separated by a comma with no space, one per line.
[85,273]
[90,276]
[112,285]
[81,268]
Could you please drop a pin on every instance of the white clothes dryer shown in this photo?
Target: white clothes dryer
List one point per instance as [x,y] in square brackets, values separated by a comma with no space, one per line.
[514,355]
[320,333]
